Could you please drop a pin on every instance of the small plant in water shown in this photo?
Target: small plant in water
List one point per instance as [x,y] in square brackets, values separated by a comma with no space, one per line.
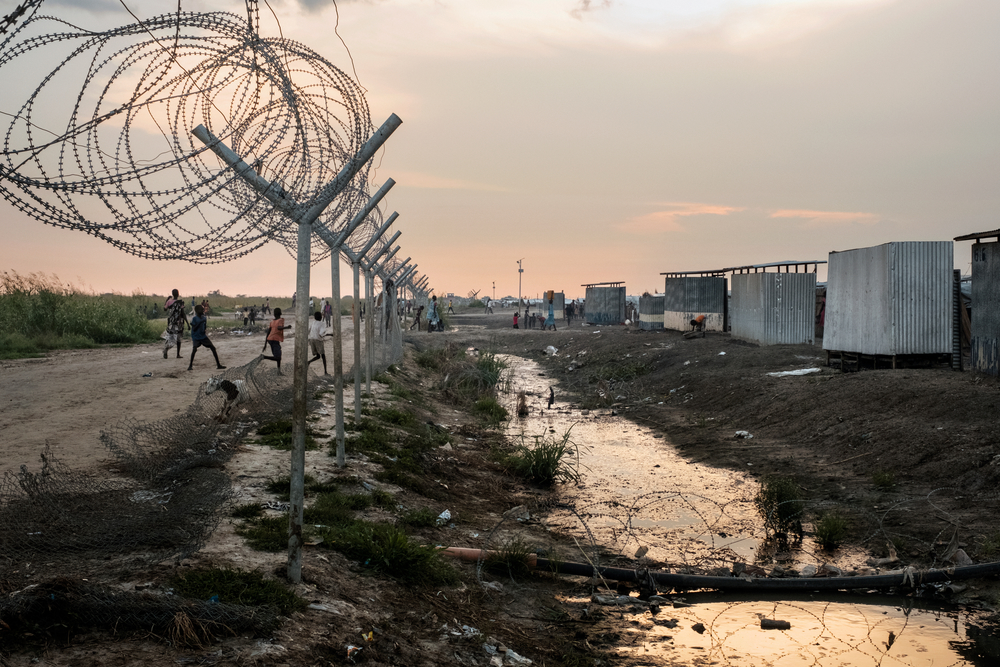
[546,460]
[778,503]
[831,530]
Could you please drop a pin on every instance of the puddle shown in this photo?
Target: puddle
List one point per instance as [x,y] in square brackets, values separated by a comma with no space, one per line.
[637,492]
[877,631]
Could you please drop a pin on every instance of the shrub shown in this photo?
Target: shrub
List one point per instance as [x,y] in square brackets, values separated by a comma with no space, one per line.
[831,529]
[778,503]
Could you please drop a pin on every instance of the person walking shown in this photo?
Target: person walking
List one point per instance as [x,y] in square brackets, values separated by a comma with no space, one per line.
[317,329]
[176,319]
[450,309]
[416,320]
[275,337]
[550,321]
[199,337]
[328,313]
[515,319]
[432,315]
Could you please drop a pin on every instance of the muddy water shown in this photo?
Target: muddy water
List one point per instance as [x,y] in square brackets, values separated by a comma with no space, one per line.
[636,493]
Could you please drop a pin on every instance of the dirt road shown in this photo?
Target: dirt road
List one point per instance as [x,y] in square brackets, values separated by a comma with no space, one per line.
[67,398]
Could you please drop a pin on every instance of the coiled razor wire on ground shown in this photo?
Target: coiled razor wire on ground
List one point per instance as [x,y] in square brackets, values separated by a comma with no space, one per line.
[119,162]
[692,534]
[63,607]
[167,494]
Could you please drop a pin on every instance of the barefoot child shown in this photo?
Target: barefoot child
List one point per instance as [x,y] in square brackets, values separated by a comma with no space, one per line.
[275,337]
[316,332]
[199,338]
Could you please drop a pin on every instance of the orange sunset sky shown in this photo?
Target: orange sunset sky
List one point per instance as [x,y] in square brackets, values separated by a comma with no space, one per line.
[613,140]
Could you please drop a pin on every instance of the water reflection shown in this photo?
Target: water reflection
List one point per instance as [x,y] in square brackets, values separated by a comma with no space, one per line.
[638,492]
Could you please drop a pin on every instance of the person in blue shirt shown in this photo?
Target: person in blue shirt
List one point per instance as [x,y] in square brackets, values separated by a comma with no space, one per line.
[199,338]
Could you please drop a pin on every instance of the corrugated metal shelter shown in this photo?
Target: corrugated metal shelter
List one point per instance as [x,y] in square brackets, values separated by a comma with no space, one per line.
[985,299]
[686,296]
[891,299]
[650,312]
[773,308]
[605,303]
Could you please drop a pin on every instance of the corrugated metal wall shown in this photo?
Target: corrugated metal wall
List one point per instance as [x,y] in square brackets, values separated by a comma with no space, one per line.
[650,312]
[686,298]
[891,299]
[774,308]
[605,305]
[985,309]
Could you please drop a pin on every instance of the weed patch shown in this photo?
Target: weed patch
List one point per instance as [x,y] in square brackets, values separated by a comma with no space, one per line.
[831,530]
[237,587]
[278,435]
[490,411]
[510,559]
[384,548]
[544,459]
[269,533]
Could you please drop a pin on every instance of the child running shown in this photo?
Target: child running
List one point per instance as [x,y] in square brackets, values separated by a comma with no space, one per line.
[199,338]
[317,329]
[275,337]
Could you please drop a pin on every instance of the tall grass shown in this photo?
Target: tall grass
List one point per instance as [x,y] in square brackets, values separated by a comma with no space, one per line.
[544,459]
[39,313]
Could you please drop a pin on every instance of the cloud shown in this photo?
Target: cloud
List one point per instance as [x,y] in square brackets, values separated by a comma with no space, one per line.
[668,219]
[584,6]
[423,181]
[814,219]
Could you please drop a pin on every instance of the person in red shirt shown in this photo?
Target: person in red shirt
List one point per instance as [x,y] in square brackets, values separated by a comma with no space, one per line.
[698,324]
[275,337]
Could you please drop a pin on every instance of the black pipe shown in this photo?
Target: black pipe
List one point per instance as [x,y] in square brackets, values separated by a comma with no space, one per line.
[695,581]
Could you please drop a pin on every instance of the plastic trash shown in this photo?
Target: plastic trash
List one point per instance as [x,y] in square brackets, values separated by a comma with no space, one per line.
[550,350]
[801,371]
[744,435]
[444,517]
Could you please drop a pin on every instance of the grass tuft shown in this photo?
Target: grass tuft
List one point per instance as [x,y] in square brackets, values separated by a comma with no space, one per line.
[510,559]
[831,530]
[490,411]
[544,459]
[238,587]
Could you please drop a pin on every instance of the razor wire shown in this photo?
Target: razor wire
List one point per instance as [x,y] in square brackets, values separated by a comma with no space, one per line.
[119,162]
[167,490]
[687,533]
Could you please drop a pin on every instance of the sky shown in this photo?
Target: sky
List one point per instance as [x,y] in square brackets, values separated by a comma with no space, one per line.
[608,140]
